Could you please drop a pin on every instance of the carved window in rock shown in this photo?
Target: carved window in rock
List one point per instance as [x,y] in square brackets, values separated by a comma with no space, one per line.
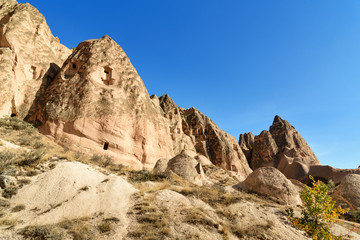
[178,130]
[107,79]
[175,111]
[235,147]
[33,71]
[106,146]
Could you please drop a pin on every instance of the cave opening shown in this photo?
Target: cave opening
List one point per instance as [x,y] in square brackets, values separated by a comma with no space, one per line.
[106,146]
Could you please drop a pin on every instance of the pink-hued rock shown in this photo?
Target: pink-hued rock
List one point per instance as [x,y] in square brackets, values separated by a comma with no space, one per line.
[98,104]
[271,182]
[27,49]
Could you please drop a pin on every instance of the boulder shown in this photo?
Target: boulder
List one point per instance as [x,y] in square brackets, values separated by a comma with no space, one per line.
[187,168]
[349,191]
[296,170]
[269,181]
[161,165]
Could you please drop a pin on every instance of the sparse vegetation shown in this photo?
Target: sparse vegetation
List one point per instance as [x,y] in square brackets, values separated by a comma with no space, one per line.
[18,208]
[104,227]
[34,148]
[152,221]
[9,191]
[42,232]
[318,211]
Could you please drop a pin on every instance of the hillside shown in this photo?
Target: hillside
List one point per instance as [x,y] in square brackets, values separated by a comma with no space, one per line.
[86,153]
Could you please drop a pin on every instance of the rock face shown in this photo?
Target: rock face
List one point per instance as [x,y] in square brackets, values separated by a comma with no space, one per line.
[271,182]
[92,98]
[281,147]
[99,102]
[349,191]
[190,129]
[27,49]
[246,142]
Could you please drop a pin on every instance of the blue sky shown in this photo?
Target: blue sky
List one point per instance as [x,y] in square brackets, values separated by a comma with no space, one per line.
[239,62]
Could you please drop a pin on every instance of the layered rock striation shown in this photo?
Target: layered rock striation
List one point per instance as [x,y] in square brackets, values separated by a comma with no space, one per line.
[27,49]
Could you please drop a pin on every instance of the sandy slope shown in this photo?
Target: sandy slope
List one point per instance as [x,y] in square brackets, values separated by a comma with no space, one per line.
[73,190]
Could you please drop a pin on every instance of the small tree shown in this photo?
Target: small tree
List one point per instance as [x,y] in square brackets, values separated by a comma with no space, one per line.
[318,211]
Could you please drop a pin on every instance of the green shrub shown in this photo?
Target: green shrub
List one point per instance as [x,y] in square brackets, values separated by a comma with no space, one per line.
[318,212]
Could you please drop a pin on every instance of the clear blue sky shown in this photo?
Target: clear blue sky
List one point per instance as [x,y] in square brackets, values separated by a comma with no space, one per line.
[239,62]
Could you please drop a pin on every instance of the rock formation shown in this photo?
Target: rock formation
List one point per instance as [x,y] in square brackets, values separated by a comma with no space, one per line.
[190,129]
[246,142]
[27,48]
[187,168]
[348,191]
[326,173]
[95,101]
[269,181]
[99,103]
[281,147]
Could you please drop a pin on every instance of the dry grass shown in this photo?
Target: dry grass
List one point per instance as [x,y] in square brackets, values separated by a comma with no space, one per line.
[42,232]
[152,221]
[35,148]
[257,231]
[18,208]
[7,222]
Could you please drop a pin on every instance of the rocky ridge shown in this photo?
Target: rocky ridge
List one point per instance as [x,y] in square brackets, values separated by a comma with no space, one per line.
[94,101]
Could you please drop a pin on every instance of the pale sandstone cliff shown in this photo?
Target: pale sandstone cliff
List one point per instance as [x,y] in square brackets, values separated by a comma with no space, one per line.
[27,48]
[99,103]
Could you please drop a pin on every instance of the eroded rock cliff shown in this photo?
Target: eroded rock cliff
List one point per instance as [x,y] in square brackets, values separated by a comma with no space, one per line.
[99,103]
[27,48]
[281,147]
